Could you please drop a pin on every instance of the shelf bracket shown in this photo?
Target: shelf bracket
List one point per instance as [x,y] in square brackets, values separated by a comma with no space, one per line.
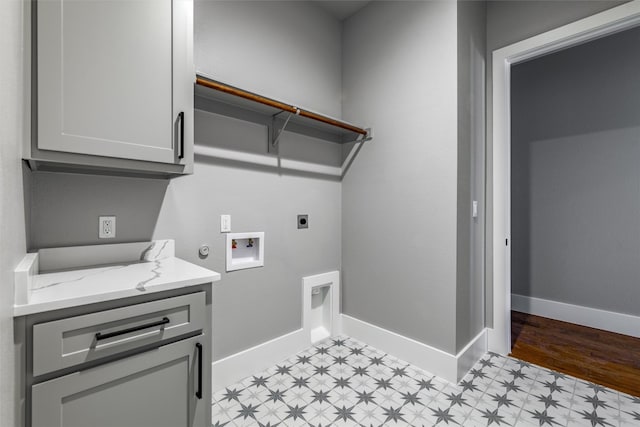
[362,138]
[359,140]
[358,143]
[276,135]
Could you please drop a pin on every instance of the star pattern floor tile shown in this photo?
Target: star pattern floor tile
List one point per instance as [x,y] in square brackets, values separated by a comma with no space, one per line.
[343,382]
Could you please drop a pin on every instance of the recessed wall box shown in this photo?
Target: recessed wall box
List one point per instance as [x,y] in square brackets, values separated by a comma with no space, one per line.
[321,306]
[245,250]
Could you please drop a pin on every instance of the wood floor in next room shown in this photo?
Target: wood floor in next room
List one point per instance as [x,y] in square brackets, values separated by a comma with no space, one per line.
[598,356]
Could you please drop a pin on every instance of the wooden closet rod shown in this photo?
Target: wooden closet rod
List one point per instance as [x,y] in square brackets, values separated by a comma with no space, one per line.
[212,84]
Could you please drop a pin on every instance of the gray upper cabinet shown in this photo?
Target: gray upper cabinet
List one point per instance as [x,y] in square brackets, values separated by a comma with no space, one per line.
[113,85]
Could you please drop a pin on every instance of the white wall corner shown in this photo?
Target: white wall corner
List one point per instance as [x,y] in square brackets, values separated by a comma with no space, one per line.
[236,367]
[469,356]
[592,317]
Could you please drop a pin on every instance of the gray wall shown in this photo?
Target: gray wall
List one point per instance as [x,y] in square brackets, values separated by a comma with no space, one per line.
[575,180]
[399,197]
[65,208]
[470,231]
[509,22]
[257,45]
[289,50]
[12,223]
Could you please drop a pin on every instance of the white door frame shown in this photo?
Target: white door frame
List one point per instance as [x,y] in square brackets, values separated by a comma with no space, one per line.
[602,24]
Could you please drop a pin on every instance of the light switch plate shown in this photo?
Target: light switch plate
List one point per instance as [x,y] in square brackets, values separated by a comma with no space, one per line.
[225,223]
[107,227]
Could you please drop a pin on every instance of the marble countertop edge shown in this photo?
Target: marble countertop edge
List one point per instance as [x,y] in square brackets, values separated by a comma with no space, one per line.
[40,307]
[77,276]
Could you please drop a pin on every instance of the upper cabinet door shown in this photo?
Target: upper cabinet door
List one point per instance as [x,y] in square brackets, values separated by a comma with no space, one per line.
[111,76]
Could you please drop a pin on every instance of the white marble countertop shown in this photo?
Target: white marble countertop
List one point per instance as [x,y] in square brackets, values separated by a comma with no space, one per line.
[80,286]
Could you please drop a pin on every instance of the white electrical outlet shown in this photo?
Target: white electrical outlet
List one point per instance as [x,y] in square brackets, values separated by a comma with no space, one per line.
[225,223]
[107,227]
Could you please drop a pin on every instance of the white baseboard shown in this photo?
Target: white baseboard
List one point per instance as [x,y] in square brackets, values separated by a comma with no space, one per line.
[445,365]
[452,368]
[601,319]
[236,367]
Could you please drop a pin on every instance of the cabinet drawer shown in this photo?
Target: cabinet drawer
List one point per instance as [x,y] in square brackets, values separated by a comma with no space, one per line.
[68,342]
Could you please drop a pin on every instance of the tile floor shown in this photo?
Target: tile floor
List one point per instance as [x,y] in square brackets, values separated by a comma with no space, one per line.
[343,382]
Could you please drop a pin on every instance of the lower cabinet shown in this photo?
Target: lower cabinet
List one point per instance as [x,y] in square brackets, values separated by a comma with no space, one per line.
[143,361]
[157,388]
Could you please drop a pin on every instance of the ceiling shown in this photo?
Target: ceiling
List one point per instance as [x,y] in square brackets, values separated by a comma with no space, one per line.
[341,9]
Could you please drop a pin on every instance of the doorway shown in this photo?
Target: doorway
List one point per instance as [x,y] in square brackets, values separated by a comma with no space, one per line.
[575,210]
[595,27]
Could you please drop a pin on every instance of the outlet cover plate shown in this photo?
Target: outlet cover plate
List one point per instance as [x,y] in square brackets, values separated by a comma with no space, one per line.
[303,221]
[107,227]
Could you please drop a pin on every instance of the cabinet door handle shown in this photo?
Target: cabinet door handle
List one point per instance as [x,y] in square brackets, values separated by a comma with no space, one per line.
[199,391]
[181,146]
[101,336]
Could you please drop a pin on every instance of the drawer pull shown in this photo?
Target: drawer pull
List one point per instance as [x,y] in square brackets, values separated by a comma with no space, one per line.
[101,336]
[199,391]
